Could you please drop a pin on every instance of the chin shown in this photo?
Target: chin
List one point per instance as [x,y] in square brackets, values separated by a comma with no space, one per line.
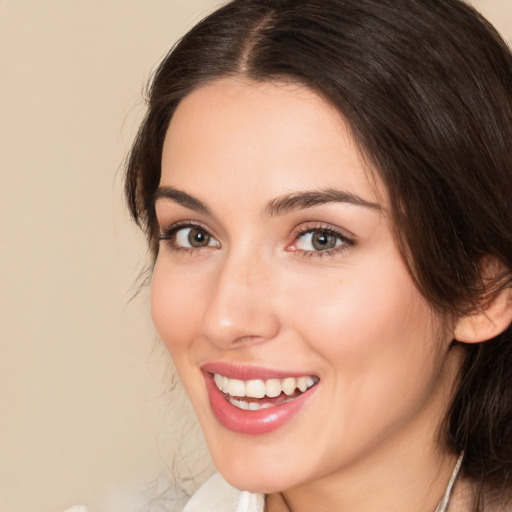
[257,469]
[261,480]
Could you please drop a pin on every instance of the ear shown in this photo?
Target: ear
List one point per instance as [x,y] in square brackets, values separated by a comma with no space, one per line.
[488,321]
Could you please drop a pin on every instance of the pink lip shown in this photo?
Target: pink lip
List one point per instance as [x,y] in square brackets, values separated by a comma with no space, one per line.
[233,371]
[259,422]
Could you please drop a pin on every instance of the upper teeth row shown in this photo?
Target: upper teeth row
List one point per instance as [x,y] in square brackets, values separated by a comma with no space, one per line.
[260,388]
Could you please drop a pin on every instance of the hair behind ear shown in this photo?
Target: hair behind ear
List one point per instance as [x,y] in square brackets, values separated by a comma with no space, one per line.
[480,418]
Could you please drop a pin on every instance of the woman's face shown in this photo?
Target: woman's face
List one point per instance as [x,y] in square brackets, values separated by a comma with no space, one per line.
[279,281]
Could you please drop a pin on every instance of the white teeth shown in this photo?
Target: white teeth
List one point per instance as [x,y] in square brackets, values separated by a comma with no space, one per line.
[246,406]
[259,388]
[240,404]
[235,387]
[289,386]
[301,384]
[254,389]
[272,388]
[219,381]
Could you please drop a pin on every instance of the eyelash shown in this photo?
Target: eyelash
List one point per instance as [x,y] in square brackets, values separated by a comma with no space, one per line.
[302,231]
[169,235]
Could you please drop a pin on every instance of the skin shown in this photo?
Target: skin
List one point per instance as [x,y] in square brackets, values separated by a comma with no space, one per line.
[258,293]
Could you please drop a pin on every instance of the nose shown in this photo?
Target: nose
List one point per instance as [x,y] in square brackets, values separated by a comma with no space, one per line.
[240,308]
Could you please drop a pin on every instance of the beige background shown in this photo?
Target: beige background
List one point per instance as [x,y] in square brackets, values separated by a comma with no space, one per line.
[85,412]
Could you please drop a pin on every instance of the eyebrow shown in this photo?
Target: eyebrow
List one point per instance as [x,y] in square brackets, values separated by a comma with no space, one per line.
[310,198]
[182,198]
[278,206]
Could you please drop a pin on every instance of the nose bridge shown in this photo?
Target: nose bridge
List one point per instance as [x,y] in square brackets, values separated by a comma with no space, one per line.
[240,306]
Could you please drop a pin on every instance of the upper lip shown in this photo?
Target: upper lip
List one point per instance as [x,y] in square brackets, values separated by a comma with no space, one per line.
[237,371]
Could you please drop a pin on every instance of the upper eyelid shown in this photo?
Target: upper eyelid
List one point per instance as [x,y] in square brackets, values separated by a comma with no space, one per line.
[168,219]
[304,228]
[167,209]
[173,226]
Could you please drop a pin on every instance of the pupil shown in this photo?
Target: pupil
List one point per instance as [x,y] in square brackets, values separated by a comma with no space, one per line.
[322,241]
[198,238]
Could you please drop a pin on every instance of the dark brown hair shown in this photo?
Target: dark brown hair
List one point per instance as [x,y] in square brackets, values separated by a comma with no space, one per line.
[426,87]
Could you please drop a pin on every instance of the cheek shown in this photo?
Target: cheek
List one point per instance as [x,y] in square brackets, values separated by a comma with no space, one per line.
[375,341]
[175,305]
[176,313]
[368,324]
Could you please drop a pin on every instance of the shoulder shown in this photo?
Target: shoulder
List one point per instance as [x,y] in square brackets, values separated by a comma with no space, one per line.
[216,495]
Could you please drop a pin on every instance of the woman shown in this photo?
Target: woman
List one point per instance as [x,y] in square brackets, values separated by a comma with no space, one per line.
[325,189]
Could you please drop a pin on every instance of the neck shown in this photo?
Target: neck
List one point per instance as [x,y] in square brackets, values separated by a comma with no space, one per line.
[410,486]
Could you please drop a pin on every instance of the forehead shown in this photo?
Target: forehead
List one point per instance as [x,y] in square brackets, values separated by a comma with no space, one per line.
[281,137]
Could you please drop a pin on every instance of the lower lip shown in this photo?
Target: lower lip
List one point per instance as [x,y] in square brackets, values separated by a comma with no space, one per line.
[252,422]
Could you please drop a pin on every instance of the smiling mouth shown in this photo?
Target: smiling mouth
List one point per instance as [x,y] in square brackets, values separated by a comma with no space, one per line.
[253,395]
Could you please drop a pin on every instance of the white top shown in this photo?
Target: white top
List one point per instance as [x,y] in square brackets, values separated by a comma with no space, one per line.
[216,495]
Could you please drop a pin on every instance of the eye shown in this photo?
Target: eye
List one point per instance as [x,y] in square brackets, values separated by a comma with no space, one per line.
[193,237]
[184,237]
[320,241]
